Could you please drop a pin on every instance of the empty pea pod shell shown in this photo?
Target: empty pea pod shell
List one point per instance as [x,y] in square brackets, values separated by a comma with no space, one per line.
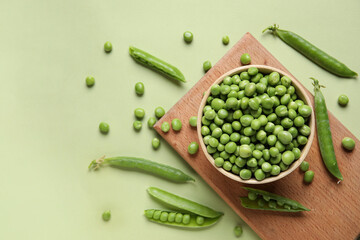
[144,165]
[156,64]
[177,202]
[253,204]
[192,223]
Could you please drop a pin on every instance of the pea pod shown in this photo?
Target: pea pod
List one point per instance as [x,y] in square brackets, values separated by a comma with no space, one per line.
[145,165]
[324,132]
[156,64]
[177,202]
[282,204]
[313,53]
[178,219]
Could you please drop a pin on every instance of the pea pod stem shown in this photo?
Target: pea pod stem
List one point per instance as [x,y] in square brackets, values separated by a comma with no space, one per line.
[312,52]
[144,165]
[156,64]
[324,132]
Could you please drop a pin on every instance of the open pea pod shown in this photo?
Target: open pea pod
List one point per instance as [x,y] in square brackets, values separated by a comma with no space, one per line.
[178,219]
[183,203]
[271,201]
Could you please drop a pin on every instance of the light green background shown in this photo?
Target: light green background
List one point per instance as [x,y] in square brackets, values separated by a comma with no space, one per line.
[49,118]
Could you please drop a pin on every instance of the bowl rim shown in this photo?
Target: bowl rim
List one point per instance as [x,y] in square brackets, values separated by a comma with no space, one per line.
[300,91]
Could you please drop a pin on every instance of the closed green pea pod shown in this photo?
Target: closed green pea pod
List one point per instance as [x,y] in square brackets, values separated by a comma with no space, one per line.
[313,53]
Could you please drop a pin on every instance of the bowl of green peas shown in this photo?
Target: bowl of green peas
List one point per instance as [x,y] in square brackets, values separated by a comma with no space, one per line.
[256,124]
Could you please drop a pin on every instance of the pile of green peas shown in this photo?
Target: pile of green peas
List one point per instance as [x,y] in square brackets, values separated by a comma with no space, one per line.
[254,125]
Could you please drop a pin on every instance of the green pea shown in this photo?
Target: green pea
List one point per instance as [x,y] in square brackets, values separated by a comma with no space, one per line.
[266,167]
[287,122]
[104,127]
[309,176]
[217,104]
[235,137]
[281,111]
[275,170]
[348,143]
[236,80]
[139,113]
[227,166]
[139,88]
[253,71]
[210,149]
[266,154]
[106,215]
[292,113]
[252,196]
[192,121]
[107,46]
[221,147]
[205,122]
[218,121]
[188,36]
[274,152]
[186,219]
[213,142]
[164,216]
[151,122]
[280,90]
[90,81]
[219,162]
[199,220]
[259,174]
[286,81]
[285,99]
[272,204]
[206,65]
[246,120]
[252,162]
[271,91]
[296,152]
[178,218]
[238,231]
[227,128]
[137,125]
[230,147]
[244,76]
[285,137]
[272,117]
[274,78]
[227,80]
[280,146]
[210,114]
[248,131]
[305,130]
[269,127]
[261,135]
[236,125]
[215,90]
[343,100]
[304,110]
[302,140]
[157,215]
[271,140]
[250,89]
[224,139]
[165,127]
[245,174]
[245,59]
[299,121]
[225,40]
[288,157]
[171,217]
[261,202]
[231,103]
[155,143]
[159,112]
[304,166]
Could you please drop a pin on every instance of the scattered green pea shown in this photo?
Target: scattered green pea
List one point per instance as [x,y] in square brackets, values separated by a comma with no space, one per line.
[348,143]
[139,88]
[108,46]
[159,112]
[90,81]
[245,59]
[151,122]
[304,166]
[309,176]
[155,143]
[104,127]
[188,36]
[139,113]
[106,215]
[206,65]
[238,231]
[343,100]
[225,40]
[165,127]
[176,124]
[193,148]
[193,121]
[137,125]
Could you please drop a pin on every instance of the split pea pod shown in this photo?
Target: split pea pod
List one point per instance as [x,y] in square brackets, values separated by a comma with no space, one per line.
[324,132]
[144,165]
[184,204]
[263,200]
[313,53]
[178,219]
[156,64]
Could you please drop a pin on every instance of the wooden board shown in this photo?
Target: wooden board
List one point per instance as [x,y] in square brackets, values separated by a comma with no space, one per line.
[335,208]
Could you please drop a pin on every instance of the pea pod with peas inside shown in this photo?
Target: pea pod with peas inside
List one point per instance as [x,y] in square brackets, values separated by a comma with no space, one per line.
[178,202]
[263,200]
[156,64]
[140,164]
[313,53]
[178,219]
[324,132]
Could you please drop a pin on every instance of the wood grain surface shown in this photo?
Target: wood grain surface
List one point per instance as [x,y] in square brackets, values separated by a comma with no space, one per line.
[335,208]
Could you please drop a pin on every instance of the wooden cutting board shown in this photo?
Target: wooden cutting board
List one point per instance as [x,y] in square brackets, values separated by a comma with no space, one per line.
[335,208]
